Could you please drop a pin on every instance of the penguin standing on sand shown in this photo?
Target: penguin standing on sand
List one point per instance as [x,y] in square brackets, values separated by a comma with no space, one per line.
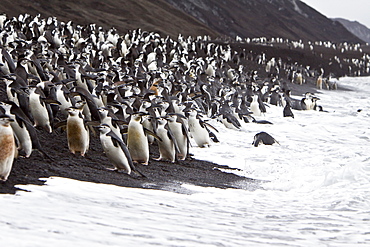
[110,121]
[116,150]
[180,133]
[137,142]
[20,129]
[62,95]
[198,130]
[77,132]
[167,145]
[40,111]
[25,133]
[7,147]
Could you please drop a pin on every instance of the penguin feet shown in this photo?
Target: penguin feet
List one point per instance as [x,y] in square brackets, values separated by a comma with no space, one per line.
[136,174]
[206,145]
[164,160]
[115,169]
[140,162]
[112,169]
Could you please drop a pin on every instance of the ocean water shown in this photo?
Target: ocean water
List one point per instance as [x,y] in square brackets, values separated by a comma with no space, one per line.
[317,191]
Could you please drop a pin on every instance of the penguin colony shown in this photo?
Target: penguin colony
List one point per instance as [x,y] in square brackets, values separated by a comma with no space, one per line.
[129,90]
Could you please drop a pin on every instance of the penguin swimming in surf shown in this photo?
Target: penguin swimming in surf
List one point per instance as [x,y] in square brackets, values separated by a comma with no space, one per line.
[263,138]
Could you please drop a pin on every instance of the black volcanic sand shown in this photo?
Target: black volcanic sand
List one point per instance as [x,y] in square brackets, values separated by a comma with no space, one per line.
[93,167]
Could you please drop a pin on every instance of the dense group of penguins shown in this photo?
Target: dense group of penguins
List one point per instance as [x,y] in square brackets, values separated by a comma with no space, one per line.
[132,90]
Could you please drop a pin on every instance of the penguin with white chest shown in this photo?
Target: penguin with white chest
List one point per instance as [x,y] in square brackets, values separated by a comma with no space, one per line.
[112,122]
[25,133]
[137,141]
[40,111]
[255,106]
[7,147]
[198,130]
[19,128]
[180,133]
[116,150]
[167,145]
[62,95]
[77,132]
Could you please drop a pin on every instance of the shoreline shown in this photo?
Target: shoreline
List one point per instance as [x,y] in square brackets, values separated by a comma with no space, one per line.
[94,167]
[160,175]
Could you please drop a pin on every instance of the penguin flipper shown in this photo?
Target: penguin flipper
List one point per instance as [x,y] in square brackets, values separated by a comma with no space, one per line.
[61,124]
[205,124]
[262,122]
[185,131]
[172,137]
[149,132]
[90,102]
[91,123]
[118,122]
[51,101]
[44,154]
[137,173]
[233,120]
[118,142]
[213,137]
[16,110]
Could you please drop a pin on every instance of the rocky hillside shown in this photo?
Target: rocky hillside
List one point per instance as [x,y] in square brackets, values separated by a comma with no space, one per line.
[124,15]
[356,28]
[289,19]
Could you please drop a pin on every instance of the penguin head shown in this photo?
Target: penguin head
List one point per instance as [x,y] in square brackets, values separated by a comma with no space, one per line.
[80,104]
[6,106]
[171,118]
[103,112]
[308,95]
[192,112]
[161,121]
[138,116]
[73,111]
[5,120]
[32,89]
[103,128]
